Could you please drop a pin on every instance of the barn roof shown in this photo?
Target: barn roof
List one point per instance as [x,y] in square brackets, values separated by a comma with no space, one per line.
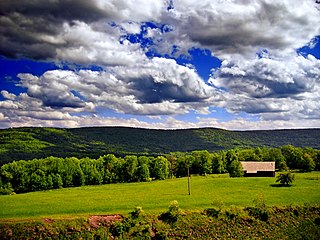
[254,167]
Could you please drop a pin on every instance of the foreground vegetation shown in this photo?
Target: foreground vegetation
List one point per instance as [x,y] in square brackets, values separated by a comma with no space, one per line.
[154,196]
[257,222]
[29,143]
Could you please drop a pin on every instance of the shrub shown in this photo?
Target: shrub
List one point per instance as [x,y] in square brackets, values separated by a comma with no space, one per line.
[285,178]
[117,229]
[212,212]
[259,211]
[233,212]
[5,191]
[137,212]
[135,226]
[172,215]
[216,210]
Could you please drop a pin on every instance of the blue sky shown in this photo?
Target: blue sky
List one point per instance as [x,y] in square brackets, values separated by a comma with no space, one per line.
[235,65]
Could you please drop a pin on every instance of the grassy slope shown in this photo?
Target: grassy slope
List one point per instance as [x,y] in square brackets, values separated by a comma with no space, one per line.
[155,197]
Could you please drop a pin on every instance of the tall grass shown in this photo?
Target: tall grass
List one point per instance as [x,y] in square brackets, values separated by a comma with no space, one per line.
[155,196]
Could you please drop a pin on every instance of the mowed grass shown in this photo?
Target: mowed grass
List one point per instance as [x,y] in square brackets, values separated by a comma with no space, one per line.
[154,197]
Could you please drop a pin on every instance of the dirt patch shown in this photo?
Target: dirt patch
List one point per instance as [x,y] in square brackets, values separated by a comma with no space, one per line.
[47,220]
[97,220]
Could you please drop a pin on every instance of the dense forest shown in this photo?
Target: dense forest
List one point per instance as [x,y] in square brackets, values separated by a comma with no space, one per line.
[54,172]
[30,143]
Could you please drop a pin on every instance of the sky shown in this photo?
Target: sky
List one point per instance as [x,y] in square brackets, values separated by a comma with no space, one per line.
[163,64]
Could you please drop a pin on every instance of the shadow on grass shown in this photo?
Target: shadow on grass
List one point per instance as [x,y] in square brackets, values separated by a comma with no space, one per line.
[313,178]
[280,185]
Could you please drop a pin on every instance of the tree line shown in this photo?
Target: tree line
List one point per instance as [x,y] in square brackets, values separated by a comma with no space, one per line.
[54,172]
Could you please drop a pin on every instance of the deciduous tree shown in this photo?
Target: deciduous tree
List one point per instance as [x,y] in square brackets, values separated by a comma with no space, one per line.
[285,178]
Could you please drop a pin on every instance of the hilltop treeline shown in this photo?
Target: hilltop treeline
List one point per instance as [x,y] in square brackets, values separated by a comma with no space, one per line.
[53,172]
[30,143]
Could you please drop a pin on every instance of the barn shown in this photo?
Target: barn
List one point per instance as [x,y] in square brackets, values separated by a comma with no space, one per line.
[259,169]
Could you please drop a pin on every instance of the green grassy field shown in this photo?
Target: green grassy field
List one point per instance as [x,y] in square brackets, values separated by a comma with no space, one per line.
[154,197]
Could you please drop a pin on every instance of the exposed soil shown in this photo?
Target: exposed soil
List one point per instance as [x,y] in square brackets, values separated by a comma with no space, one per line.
[97,220]
[47,220]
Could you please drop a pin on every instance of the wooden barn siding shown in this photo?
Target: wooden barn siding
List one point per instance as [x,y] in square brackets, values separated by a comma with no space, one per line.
[260,174]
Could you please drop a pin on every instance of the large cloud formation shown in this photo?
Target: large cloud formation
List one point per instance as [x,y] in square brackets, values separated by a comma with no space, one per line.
[32,28]
[239,28]
[261,73]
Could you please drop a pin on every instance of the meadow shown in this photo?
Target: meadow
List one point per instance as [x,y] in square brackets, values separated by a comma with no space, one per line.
[154,197]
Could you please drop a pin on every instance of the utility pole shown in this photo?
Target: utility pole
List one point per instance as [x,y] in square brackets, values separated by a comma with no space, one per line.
[189,190]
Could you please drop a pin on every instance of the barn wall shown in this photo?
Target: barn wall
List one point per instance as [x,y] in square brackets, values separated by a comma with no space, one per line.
[260,174]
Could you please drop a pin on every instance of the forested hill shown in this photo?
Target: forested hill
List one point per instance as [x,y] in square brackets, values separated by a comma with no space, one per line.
[29,143]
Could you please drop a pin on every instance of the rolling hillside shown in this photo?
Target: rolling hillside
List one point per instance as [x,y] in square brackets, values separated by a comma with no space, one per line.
[29,143]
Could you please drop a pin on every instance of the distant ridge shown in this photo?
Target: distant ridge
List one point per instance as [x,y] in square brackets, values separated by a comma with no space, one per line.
[35,142]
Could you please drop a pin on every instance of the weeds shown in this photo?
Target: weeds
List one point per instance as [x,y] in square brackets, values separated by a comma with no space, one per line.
[172,215]
[292,222]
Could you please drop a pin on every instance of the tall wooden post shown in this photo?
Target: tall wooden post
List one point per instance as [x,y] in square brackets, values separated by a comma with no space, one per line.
[189,190]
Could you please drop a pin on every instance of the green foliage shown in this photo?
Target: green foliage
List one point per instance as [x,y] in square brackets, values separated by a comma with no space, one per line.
[218,163]
[30,143]
[135,226]
[308,163]
[54,172]
[173,214]
[38,181]
[5,191]
[143,173]
[130,168]
[160,169]
[216,210]
[259,211]
[91,172]
[112,167]
[117,229]
[173,164]
[195,225]
[181,168]
[233,213]
[202,163]
[235,169]
[298,158]
[285,178]
[5,188]
[49,182]
[57,181]
[137,212]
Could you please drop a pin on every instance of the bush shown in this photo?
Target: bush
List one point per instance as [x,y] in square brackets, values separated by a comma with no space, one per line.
[285,178]
[212,212]
[5,191]
[136,225]
[136,213]
[172,215]
[117,229]
[233,212]
[259,211]
[216,210]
